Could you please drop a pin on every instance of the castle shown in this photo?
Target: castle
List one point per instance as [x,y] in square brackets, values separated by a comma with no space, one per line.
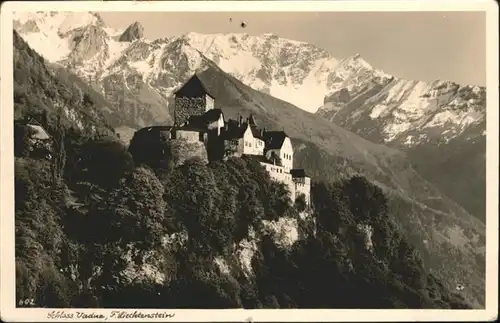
[197,121]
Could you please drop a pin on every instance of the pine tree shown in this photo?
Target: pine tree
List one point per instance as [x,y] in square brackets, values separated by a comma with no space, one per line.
[59,151]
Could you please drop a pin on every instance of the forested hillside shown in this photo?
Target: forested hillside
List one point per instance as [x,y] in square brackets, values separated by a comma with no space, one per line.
[109,233]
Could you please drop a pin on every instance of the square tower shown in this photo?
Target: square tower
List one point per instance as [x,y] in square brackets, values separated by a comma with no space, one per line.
[192,99]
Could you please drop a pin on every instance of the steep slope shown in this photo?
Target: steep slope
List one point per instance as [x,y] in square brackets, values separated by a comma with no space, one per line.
[330,152]
[435,123]
[40,90]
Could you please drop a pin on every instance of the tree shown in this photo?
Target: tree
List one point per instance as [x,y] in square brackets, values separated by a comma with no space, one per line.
[59,152]
[103,162]
[300,203]
[22,143]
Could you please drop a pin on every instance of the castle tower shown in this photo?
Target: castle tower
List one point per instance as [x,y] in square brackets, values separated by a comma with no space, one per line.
[192,99]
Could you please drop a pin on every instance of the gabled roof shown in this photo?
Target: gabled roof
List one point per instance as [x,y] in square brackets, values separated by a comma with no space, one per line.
[256,132]
[298,173]
[39,132]
[259,158]
[205,119]
[274,139]
[213,115]
[193,78]
[32,121]
[234,130]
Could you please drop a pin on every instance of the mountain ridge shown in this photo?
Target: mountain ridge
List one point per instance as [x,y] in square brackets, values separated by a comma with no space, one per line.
[313,84]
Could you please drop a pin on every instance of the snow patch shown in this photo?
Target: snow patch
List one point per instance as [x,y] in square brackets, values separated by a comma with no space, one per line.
[244,57]
[115,50]
[461,120]
[378,110]
[392,130]
[48,45]
[74,20]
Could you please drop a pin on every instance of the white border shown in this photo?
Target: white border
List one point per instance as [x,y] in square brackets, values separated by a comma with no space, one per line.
[10,313]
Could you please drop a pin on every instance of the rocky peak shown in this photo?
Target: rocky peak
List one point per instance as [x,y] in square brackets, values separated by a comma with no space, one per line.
[133,32]
[354,62]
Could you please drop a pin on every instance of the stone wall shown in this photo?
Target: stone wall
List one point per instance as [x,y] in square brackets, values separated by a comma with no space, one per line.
[303,186]
[186,107]
[182,150]
[279,174]
[210,103]
[188,135]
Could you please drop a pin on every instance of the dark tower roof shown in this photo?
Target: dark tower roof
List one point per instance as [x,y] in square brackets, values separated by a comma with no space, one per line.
[192,86]
[202,121]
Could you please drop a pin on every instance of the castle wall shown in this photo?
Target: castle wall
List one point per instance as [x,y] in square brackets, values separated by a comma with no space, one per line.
[189,106]
[233,147]
[210,102]
[188,135]
[279,174]
[182,150]
[303,186]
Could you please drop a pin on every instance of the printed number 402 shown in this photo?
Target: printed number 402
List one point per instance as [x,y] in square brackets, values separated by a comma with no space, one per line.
[27,302]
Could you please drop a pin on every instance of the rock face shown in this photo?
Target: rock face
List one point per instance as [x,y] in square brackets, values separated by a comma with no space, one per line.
[86,43]
[183,150]
[133,32]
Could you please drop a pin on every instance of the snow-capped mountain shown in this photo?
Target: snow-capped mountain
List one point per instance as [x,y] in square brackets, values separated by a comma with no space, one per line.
[140,75]
[404,113]
[266,62]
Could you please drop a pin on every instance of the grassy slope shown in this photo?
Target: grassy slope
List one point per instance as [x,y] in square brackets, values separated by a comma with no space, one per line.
[458,169]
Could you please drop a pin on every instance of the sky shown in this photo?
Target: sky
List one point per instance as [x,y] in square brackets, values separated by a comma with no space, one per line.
[422,46]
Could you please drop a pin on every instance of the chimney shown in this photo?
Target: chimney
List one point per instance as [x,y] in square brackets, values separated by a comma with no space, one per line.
[240,121]
[226,126]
